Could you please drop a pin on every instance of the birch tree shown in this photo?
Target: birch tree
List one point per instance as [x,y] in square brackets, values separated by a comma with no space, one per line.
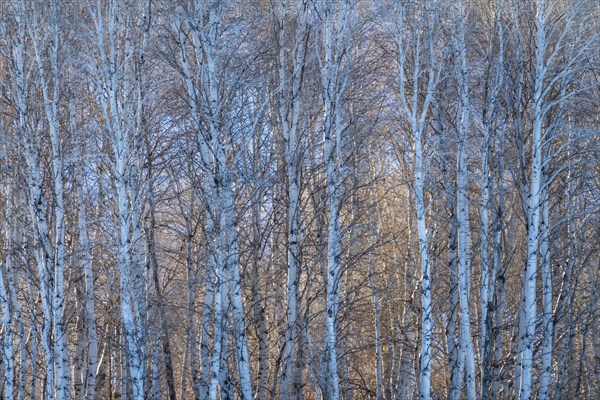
[90,314]
[50,85]
[529,281]
[338,18]
[419,65]
[6,292]
[204,22]
[462,200]
[290,99]
[115,44]
[489,273]
[555,24]
[44,255]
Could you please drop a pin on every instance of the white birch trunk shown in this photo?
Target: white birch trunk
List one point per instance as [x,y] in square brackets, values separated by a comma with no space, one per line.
[225,199]
[50,91]
[163,331]
[43,256]
[23,372]
[137,277]
[134,352]
[7,348]
[486,273]
[547,303]
[417,113]
[452,260]
[485,264]
[225,382]
[289,110]
[33,337]
[119,113]
[7,293]
[374,287]
[520,144]
[454,358]
[259,317]
[199,381]
[155,385]
[426,308]
[216,255]
[124,377]
[484,243]
[489,276]
[192,321]
[232,262]
[89,380]
[462,203]
[206,102]
[208,382]
[533,210]
[43,250]
[334,69]
[79,356]
[564,306]
[207,315]
[498,280]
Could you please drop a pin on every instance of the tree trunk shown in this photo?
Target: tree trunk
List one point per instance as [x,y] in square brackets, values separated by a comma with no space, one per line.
[462,204]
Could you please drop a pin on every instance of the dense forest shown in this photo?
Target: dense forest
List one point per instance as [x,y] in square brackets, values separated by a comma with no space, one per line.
[299,199]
